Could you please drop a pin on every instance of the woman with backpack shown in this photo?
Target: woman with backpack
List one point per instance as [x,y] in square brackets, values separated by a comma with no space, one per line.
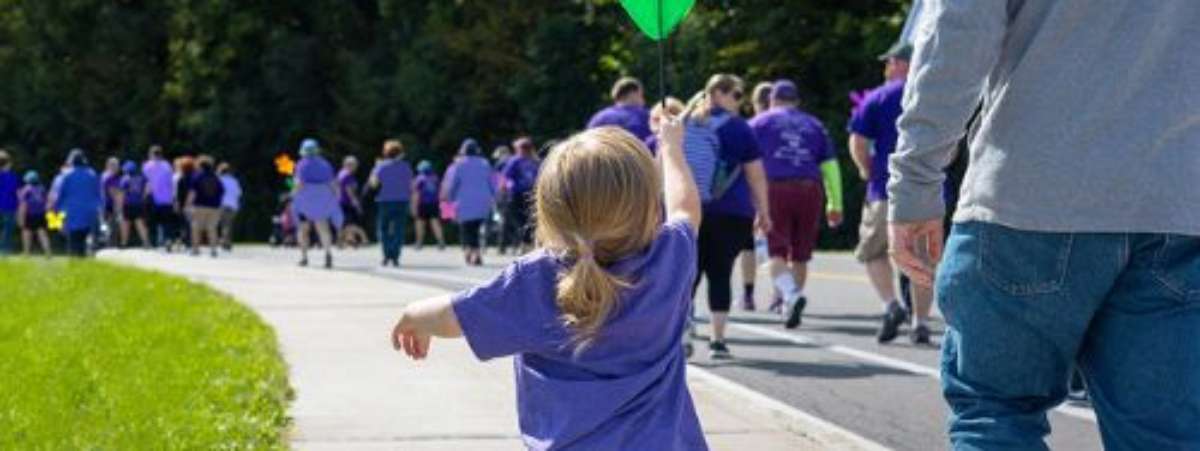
[723,154]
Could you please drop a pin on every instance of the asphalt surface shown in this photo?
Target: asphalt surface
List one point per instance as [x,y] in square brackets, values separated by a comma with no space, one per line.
[830,367]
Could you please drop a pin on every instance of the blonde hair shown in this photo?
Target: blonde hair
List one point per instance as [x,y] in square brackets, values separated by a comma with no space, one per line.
[674,108]
[700,107]
[762,97]
[597,201]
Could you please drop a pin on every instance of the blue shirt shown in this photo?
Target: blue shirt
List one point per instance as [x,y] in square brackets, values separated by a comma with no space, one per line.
[469,186]
[628,389]
[634,119]
[395,180]
[521,174]
[738,147]
[876,120]
[9,183]
[79,197]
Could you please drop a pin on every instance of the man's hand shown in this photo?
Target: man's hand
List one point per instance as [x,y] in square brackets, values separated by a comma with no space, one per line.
[762,222]
[916,247]
[834,218]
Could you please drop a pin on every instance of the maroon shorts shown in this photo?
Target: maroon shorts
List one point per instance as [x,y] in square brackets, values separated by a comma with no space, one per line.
[796,218]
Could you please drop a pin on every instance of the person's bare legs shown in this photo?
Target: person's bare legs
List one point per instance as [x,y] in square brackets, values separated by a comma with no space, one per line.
[197,232]
[882,277]
[302,238]
[777,267]
[420,232]
[26,241]
[800,273]
[124,227]
[214,236]
[749,265]
[437,232]
[922,304]
[324,233]
[719,321]
[44,237]
[143,232]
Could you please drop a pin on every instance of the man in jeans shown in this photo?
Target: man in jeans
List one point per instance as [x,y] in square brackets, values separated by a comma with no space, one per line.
[1077,235]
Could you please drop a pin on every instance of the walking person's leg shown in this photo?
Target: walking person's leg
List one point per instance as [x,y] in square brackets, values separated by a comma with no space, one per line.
[26,241]
[8,222]
[302,237]
[438,233]
[419,231]
[872,251]
[199,225]
[748,262]
[401,223]
[1141,357]
[143,233]
[325,234]
[1017,306]
[214,231]
[44,237]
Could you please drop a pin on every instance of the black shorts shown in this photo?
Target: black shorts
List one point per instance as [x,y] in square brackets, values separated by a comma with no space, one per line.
[35,222]
[351,216]
[469,232]
[426,212]
[134,212]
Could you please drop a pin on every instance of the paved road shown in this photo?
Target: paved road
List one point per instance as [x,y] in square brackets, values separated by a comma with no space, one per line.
[831,367]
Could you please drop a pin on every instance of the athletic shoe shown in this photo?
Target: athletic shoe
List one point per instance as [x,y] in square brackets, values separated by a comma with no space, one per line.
[776,305]
[748,303]
[718,351]
[794,314]
[920,335]
[890,326]
[304,261]
[328,261]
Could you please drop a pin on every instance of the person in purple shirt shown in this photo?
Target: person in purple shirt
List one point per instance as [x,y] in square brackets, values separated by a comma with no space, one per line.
[470,187]
[350,200]
[425,204]
[873,136]
[595,318]
[519,175]
[392,178]
[315,201]
[133,204]
[628,110]
[802,173]
[205,193]
[31,214]
[110,190]
[160,211]
[9,183]
[78,196]
[731,217]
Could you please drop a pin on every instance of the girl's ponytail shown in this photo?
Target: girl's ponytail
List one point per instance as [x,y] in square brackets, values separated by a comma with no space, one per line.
[587,295]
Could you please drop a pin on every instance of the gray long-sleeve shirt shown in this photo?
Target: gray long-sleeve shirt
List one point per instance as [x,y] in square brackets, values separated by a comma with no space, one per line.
[1090,120]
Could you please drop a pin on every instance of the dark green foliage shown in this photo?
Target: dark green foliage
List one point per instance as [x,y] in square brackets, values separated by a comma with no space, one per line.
[245,80]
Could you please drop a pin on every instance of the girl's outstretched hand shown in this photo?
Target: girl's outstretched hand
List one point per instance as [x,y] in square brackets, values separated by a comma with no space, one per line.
[406,337]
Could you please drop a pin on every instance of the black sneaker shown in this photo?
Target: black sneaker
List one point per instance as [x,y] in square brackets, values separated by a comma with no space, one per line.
[304,261]
[718,351]
[328,261]
[794,314]
[891,323]
[920,335]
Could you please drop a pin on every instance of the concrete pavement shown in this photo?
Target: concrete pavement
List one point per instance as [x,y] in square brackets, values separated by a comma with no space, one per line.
[354,392]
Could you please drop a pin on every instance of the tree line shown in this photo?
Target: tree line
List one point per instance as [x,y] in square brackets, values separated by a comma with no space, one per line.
[246,80]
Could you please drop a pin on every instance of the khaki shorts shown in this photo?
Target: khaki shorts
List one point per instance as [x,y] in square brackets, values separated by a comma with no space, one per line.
[873,232]
[206,219]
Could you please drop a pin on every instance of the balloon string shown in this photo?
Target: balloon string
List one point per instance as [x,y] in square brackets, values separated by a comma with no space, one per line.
[662,56]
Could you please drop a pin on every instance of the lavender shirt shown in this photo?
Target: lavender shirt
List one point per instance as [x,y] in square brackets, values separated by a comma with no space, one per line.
[395,180]
[316,199]
[161,179]
[793,144]
[626,391]
[634,119]
[469,186]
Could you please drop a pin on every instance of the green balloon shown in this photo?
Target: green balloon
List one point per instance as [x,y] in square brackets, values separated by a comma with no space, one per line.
[645,14]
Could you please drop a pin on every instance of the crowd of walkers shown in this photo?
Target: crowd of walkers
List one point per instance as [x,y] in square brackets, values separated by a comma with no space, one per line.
[156,203]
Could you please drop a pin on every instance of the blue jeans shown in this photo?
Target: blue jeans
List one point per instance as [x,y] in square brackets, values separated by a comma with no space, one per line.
[1023,307]
[8,225]
[392,216]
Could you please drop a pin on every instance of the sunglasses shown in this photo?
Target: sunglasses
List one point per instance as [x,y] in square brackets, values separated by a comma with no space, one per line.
[737,95]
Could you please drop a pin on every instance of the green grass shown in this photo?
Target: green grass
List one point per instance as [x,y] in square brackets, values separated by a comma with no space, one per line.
[98,356]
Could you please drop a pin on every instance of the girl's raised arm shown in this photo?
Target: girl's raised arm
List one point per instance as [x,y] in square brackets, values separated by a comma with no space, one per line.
[681,197]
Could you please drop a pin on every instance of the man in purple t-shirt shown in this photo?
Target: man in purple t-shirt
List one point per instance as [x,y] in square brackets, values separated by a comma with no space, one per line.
[873,136]
[160,178]
[799,159]
[628,110]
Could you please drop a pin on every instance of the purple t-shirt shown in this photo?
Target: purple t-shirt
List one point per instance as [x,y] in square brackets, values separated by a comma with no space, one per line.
[9,183]
[34,198]
[427,185]
[626,391]
[875,119]
[314,170]
[134,188]
[469,186]
[395,180]
[520,173]
[793,144]
[161,177]
[634,119]
[738,147]
[349,186]
[109,182]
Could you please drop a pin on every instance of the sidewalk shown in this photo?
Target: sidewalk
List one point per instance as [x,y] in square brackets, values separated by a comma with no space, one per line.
[354,392]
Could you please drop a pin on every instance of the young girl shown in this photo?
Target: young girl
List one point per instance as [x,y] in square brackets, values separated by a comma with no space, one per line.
[596,315]
[31,214]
